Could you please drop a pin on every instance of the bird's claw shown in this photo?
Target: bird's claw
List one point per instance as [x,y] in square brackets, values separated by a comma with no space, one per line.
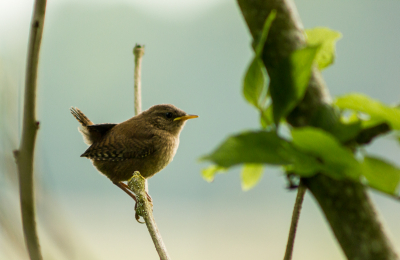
[139,209]
[137,185]
[138,213]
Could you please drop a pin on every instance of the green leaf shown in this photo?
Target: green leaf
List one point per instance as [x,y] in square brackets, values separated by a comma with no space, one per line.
[381,175]
[264,35]
[251,175]
[266,117]
[254,85]
[378,112]
[290,80]
[210,172]
[252,147]
[336,160]
[326,38]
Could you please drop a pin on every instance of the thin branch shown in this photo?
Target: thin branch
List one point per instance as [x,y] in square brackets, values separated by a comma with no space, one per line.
[25,155]
[138,52]
[301,191]
[346,205]
[138,184]
[145,210]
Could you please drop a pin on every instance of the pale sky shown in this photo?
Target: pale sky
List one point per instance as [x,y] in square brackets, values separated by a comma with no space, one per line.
[15,15]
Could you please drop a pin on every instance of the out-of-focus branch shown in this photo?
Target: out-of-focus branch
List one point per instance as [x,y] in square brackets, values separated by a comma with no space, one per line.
[25,155]
[352,217]
[367,135]
[301,191]
[145,210]
[345,204]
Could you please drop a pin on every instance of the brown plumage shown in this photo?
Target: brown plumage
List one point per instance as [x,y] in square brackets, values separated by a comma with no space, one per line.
[145,143]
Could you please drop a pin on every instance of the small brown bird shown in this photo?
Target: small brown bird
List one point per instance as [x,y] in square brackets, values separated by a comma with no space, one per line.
[145,143]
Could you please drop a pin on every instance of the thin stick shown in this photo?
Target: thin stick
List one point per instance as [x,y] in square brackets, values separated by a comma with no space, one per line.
[138,184]
[25,155]
[301,191]
[145,210]
[138,52]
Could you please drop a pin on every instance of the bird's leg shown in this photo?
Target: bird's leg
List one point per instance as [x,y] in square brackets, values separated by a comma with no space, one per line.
[149,199]
[128,191]
[125,188]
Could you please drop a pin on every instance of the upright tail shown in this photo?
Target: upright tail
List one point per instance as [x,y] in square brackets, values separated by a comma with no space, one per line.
[87,137]
[80,117]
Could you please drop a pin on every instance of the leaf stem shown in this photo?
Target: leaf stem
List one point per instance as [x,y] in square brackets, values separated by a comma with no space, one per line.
[25,155]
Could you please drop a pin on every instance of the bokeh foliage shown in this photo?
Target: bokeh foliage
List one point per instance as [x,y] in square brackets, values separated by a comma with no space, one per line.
[335,150]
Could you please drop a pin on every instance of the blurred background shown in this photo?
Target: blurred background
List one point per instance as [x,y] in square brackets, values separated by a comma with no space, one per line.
[196,55]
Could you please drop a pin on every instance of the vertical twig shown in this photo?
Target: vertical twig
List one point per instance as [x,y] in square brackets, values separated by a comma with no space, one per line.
[138,52]
[138,184]
[301,191]
[144,209]
[25,155]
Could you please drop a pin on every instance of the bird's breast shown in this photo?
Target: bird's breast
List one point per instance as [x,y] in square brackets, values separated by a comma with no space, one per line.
[168,152]
[161,157]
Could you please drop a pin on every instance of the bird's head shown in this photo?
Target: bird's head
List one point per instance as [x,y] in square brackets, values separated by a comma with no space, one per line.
[167,117]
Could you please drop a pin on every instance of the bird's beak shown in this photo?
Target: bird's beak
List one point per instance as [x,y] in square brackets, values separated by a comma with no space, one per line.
[183,118]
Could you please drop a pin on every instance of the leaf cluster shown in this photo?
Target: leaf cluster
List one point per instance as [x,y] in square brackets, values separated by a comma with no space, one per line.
[333,149]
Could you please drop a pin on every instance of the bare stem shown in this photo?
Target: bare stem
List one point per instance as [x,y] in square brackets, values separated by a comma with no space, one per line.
[25,155]
[138,184]
[145,210]
[138,52]
[301,191]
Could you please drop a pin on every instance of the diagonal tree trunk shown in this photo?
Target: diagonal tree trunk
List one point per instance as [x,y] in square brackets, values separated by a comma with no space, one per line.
[346,205]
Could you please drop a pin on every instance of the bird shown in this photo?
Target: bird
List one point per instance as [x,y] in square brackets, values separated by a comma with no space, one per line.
[146,143]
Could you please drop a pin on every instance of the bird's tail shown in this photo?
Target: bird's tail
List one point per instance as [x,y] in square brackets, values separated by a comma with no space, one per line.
[80,117]
[87,137]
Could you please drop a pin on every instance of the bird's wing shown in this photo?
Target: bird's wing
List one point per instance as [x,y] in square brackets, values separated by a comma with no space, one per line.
[101,129]
[119,148]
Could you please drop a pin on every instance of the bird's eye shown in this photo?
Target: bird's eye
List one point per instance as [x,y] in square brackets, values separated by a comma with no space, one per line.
[168,115]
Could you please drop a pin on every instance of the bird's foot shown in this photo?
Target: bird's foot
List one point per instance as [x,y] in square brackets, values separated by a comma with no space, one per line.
[139,211]
[144,201]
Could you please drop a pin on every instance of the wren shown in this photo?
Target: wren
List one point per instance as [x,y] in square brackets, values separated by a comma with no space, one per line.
[146,143]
